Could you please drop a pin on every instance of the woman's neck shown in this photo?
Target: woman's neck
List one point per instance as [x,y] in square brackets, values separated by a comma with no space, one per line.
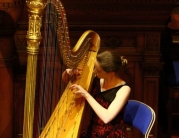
[111,82]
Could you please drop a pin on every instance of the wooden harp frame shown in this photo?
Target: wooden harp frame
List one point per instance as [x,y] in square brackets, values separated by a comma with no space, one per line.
[53,128]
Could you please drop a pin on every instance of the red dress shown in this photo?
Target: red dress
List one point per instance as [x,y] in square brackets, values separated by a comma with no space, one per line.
[98,129]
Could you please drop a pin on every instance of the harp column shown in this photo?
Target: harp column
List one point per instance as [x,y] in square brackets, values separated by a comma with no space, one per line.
[35,11]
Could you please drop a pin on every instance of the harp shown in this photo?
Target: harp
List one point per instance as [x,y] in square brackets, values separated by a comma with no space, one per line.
[63,119]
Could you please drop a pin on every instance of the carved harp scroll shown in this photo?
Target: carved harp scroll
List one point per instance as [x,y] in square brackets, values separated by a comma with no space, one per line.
[66,119]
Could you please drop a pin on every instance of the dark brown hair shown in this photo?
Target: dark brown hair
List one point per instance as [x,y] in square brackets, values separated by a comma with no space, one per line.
[111,61]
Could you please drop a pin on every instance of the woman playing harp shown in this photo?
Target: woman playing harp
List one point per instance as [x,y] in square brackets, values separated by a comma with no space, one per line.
[107,98]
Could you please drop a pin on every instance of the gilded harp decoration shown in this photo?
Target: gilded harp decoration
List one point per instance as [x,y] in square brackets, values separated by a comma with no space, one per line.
[65,119]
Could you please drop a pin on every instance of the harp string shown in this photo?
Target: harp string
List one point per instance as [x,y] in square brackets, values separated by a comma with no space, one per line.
[51,68]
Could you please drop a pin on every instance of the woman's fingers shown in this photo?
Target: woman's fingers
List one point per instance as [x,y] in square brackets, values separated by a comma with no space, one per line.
[76,87]
[73,74]
[74,71]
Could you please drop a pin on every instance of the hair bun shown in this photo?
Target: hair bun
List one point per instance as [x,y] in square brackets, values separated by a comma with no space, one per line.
[124,62]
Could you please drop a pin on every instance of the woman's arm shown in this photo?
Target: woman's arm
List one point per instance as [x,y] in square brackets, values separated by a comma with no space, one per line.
[106,115]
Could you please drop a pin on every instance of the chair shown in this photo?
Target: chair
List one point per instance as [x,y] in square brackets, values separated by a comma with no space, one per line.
[140,116]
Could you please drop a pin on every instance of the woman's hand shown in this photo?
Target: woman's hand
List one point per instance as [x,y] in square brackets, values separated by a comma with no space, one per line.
[77,89]
[71,75]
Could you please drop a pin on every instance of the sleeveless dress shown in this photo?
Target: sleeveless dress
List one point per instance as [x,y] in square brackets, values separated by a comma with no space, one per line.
[97,128]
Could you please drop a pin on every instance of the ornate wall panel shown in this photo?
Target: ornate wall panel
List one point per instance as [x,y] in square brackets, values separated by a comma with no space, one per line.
[131,27]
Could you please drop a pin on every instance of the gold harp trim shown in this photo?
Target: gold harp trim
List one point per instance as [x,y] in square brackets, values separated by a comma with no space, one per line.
[35,11]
